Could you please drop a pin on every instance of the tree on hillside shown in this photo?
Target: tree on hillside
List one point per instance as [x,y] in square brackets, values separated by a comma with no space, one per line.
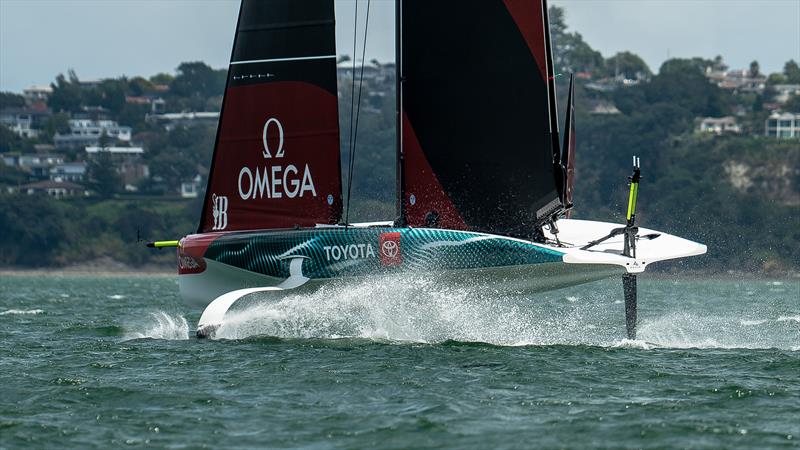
[628,64]
[11,100]
[11,176]
[197,79]
[139,86]
[680,82]
[754,69]
[112,94]
[57,123]
[11,142]
[67,95]
[793,104]
[27,239]
[792,72]
[162,78]
[102,174]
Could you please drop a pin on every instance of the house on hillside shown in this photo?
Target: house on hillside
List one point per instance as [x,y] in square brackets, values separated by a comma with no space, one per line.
[87,132]
[156,104]
[743,81]
[191,189]
[54,189]
[719,125]
[172,120]
[784,91]
[25,122]
[30,159]
[74,172]
[37,94]
[604,107]
[783,125]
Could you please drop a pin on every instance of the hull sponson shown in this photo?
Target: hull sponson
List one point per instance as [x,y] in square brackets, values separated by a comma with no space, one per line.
[261,258]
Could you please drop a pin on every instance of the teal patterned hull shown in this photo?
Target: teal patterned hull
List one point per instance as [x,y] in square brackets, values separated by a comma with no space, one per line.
[338,252]
[262,258]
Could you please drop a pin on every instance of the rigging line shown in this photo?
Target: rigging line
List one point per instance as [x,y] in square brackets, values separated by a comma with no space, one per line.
[352,105]
[358,111]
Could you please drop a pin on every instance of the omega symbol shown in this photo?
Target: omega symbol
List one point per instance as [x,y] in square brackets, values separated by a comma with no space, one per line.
[266,152]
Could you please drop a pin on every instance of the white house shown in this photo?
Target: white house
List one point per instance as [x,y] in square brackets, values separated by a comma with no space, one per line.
[74,172]
[54,189]
[719,125]
[783,125]
[172,120]
[37,94]
[83,132]
[784,91]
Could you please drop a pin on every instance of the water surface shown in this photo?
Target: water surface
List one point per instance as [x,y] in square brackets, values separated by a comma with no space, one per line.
[95,362]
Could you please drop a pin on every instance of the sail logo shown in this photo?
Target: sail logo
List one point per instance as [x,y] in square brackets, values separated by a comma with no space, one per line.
[391,253]
[219,204]
[275,181]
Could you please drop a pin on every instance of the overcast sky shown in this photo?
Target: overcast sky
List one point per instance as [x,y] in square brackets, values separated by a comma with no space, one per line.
[108,38]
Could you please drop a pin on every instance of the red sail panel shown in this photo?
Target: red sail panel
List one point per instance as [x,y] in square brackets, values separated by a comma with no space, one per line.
[425,202]
[528,16]
[276,159]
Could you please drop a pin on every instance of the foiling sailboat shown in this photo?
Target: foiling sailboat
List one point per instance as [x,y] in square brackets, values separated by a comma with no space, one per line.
[484,183]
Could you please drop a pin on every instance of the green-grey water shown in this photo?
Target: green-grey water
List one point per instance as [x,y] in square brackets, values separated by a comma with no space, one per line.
[93,362]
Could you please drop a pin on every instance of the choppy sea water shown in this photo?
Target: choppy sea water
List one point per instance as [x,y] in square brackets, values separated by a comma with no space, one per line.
[100,362]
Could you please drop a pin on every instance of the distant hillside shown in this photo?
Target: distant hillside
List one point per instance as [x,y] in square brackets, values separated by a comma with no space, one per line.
[731,187]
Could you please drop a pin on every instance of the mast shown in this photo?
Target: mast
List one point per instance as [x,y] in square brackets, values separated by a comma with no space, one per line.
[560,173]
[398,59]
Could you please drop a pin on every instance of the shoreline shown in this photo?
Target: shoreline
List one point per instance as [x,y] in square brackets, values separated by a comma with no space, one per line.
[67,272]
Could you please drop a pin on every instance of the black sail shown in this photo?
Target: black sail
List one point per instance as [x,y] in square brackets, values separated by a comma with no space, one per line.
[477,136]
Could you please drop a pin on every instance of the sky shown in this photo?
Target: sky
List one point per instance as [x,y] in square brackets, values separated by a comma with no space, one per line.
[109,38]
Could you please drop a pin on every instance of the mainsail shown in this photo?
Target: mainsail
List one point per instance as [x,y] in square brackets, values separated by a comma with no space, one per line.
[276,159]
[479,137]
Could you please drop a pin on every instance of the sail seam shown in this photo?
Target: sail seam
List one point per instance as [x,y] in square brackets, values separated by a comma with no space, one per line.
[286,26]
[298,58]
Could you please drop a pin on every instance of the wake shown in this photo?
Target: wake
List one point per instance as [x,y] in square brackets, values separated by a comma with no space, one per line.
[420,310]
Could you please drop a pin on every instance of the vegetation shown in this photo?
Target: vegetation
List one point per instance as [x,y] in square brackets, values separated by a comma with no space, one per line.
[739,194]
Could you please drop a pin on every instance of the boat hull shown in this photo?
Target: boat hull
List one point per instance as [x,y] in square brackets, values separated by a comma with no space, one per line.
[213,264]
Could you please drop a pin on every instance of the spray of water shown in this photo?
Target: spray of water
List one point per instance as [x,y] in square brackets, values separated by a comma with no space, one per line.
[159,325]
[21,312]
[421,309]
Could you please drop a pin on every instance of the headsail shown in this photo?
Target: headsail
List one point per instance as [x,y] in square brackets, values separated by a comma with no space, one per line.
[478,141]
[276,159]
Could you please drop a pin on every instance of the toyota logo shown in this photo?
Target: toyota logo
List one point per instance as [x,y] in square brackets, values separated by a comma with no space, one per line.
[390,249]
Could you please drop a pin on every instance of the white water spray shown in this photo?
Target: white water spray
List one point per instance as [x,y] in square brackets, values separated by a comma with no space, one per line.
[421,309]
[160,326]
